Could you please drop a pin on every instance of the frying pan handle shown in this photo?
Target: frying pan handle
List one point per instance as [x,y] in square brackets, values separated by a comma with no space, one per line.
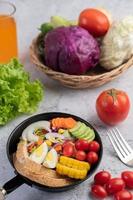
[11,185]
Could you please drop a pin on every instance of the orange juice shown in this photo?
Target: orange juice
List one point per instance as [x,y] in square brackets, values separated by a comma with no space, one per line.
[8,38]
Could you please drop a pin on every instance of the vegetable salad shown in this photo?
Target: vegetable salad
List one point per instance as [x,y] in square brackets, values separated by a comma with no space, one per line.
[63,144]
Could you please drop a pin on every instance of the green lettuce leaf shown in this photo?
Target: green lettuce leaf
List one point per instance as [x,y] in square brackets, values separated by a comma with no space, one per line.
[17,93]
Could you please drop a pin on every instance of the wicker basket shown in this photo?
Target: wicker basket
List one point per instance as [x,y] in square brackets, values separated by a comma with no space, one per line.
[92,79]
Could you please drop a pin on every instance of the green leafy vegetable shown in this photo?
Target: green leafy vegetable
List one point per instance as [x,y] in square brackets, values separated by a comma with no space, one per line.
[58,21]
[17,94]
[45,28]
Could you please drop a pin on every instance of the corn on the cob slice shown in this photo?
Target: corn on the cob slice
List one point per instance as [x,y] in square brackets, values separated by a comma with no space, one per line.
[71,172]
[73,163]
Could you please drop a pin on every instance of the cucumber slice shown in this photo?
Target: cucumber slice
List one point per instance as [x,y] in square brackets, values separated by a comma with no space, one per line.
[91,139]
[83,134]
[86,133]
[75,128]
[80,131]
[90,136]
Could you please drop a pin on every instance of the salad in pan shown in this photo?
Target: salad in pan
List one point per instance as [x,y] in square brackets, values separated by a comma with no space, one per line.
[56,153]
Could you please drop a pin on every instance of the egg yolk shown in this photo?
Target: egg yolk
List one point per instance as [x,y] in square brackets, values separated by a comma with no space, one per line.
[39,151]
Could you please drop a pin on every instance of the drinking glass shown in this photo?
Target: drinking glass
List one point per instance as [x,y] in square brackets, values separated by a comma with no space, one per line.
[8,33]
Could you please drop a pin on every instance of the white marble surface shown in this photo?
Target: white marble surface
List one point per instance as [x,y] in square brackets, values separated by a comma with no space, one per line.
[30,14]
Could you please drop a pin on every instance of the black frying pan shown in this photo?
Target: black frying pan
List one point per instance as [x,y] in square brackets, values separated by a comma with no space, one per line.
[13,140]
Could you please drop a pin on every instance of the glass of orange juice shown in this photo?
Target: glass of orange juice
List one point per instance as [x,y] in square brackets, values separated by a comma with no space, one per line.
[8,33]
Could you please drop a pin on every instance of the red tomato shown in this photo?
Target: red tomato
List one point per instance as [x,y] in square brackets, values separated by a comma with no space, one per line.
[82,145]
[102,177]
[115,185]
[68,142]
[92,157]
[123,195]
[80,155]
[94,146]
[95,21]
[127,176]
[112,106]
[99,191]
[68,150]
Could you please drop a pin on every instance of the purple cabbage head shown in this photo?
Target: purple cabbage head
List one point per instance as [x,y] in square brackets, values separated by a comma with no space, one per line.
[71,50]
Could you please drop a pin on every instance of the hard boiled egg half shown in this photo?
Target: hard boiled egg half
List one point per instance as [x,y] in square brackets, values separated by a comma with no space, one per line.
[51,159]
[28,133]
[39,154]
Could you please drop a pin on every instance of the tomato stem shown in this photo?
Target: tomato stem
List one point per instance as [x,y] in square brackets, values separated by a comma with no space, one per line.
[113,94]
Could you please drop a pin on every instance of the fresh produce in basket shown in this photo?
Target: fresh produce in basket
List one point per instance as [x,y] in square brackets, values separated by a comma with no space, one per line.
[55,21]
[71,50]
[107,14]
[91,43]
[45,146]
[112,106]
[95,21]
[117,45]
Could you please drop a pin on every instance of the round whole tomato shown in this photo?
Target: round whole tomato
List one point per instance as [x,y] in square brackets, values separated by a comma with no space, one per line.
[102,177]
[92,157]
[68,150]
[115,185]
[123,195]
[95,21]
[80,155]
[94,146]
[127,176]
[98,191]
[68,142]
[82,145]
[112,106]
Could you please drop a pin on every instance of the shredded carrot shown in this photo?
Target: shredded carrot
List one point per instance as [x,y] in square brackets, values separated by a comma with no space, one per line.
[39,142]
[66,123]
[70,123]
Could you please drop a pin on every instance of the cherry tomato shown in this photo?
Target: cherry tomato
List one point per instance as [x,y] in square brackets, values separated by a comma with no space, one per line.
[99,191]
[115,185]
[127,176]
[92,157]
[80,155]
[82,145]
[112,106]
[123,195]
[68,142]
[68,150]
[94,146]
[95,21]
[102,177]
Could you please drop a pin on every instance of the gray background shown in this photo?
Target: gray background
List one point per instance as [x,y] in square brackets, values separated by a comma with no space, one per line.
[30,14]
